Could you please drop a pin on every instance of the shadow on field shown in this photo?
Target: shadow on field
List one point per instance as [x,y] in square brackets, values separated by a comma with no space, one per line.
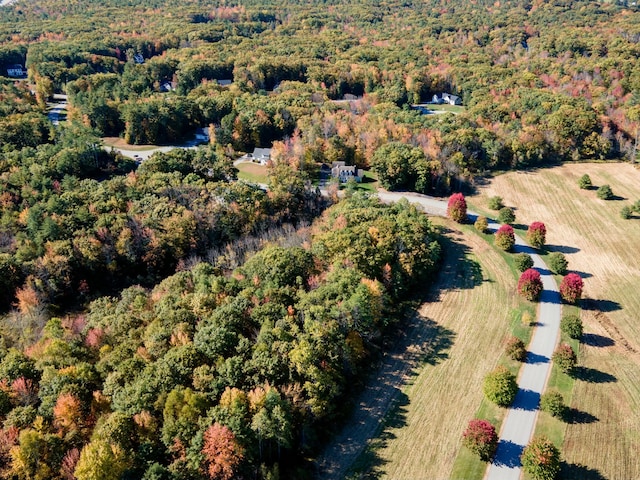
[562,249]
[369,464]
[575,416]
[578,471]
[591,375]
[459,271]
[582,274]
[593,340]
[600,305]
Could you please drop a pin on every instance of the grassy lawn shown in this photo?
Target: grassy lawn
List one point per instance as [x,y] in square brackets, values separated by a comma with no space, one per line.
[252,172]
[448,108]
[369,182]
[421,437]
[117,142]
[603,437]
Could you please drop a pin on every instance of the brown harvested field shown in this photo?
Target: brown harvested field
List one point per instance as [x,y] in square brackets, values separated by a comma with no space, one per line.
[476,303]
[604,248]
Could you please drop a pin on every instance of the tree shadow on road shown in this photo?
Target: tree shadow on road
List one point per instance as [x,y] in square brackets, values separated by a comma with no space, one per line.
[508,454]
[526,400]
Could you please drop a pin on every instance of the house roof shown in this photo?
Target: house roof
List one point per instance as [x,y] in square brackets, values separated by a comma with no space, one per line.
[261,152]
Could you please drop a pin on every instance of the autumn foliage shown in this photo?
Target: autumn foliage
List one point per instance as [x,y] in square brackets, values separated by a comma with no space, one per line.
[457,208]
[537,234]
[530,284]
[541,459]
[481,438]
[222,452]
[571,288]
[505,238]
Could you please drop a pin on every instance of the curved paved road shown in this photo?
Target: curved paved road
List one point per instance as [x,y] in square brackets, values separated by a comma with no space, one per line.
[519,423]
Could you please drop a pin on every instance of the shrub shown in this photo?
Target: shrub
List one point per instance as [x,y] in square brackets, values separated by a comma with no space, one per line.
[481,438]
[636,206]
[565,358]
[552,403]
[506,215]
[585,182]
[457,208]
[626,212]
[530,284]
[572,326]
[541,459]
[537,234]
[558,263]
[481,224]
[571,288]
[500,387]
[505,238]
[516,349]
[523,261]
[605,192]
[495,203]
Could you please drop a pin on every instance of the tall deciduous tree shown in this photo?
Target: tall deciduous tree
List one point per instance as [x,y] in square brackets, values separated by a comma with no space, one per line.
[457,208]
[222,452]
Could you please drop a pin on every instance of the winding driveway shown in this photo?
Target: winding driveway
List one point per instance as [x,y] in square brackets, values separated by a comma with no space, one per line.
[519,423]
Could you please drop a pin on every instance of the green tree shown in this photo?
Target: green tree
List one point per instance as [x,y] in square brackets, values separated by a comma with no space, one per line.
[523,261]
[500,387]
[558,263]
[572,326]
[395,165]
[496,203]
[541,459]
[552,403]
[604,192]
[101,461]
[585,182]
[481,224]
[565,358]
[506,215]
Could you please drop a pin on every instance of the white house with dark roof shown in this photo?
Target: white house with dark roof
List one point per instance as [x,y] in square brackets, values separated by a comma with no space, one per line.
[447,98]
[261,155]
[344,172]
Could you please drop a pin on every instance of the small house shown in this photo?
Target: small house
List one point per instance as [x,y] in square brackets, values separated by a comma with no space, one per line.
[16,71]
[224,82]
[451,99]
[344,172]
[261,155]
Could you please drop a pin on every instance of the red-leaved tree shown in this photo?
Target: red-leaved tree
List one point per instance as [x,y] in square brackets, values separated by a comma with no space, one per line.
[457,208]
[480,437]
[222,452]
[530,284]
[537,234]
[505,237]
[571,288]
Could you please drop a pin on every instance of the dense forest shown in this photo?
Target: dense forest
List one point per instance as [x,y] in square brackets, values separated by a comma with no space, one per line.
[164,320]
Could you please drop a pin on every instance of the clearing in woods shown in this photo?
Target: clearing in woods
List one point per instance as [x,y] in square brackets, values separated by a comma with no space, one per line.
[476,301]
[603,248]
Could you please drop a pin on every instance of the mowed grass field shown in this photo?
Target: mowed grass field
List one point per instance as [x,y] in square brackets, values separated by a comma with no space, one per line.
[603,248]
[252,172]
[421,438]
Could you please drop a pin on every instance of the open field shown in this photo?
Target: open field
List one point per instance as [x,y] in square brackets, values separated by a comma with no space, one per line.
[603,247]
[252,172]
[421,437]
